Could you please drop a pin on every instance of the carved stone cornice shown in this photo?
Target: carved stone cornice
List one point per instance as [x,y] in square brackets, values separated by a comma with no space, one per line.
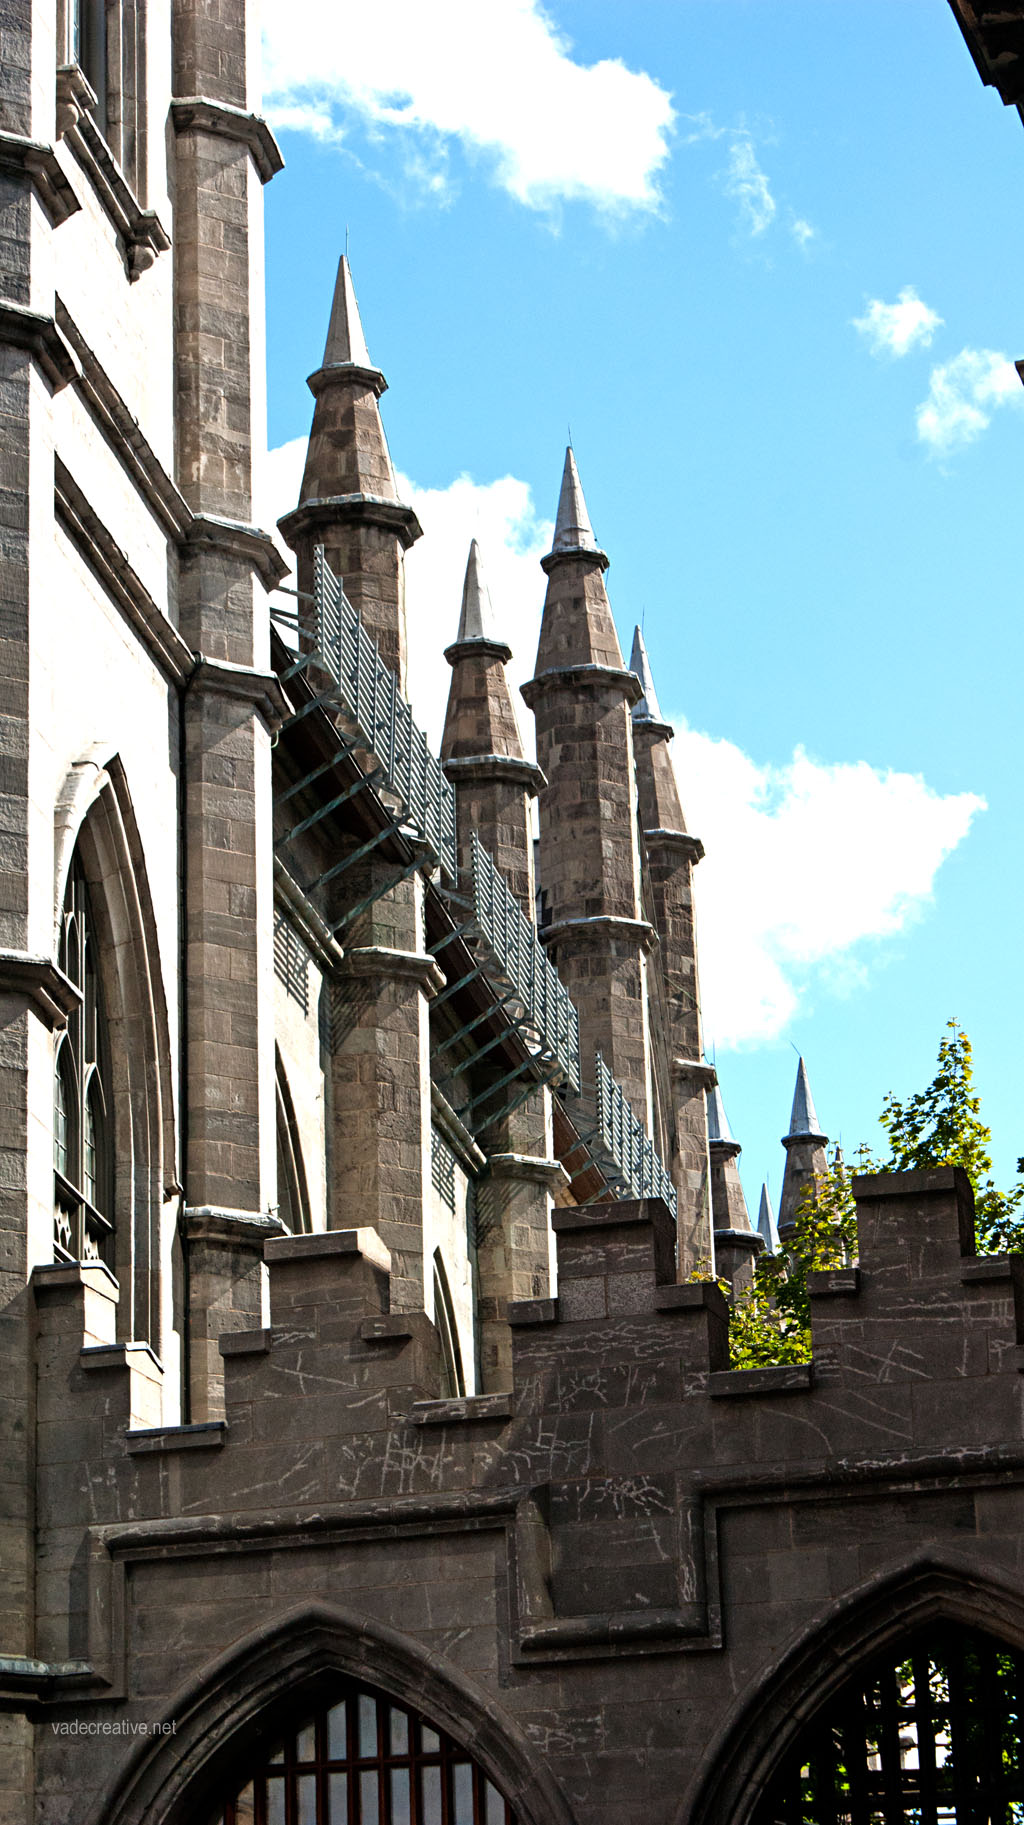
[530,1167]
[39,336]
[600,926]
[694,1071]
[250,544]
[377,960]
[313,518]
[337,372]
[44,171]
[198,114]
[219,678]
[480,648]
[591,554]
[234,1228]
[690,847]
[141,230]
[41,983]
[128,593]
[455,1132]
[581,677]
[471,767]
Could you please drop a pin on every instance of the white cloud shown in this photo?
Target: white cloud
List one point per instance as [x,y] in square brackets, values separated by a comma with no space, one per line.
[497,77]
[801,231]
[748,184]
[962,395]
[895,329]
[805,864]
[502,516]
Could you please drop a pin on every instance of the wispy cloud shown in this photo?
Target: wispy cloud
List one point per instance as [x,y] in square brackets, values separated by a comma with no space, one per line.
[801,231]
[895,329]
[499,79]
[962,395]
[748,185]
[793,830]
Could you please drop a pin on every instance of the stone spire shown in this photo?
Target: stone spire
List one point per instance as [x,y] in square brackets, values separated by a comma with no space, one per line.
[671,855]
[805,1151]
[582,695]
[766,1228]
[349,500]
[735,1243]
[482,748]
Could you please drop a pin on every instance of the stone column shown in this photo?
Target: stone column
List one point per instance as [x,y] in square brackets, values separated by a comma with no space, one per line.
[227,1291]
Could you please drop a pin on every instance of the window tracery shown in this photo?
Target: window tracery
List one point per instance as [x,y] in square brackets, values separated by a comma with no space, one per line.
[82,1154]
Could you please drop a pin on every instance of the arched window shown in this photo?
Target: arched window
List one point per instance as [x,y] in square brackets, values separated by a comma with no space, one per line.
[366,1761]
[82,1153]
[930,1733]
[292,1193]
[453,1380]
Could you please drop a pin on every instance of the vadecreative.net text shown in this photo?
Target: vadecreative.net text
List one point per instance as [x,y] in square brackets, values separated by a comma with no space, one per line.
[112,1727]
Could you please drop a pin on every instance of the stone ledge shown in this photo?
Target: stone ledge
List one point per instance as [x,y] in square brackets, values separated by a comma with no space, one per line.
[522,1312]
[250,544]
[695,1071]
[326,1242]
[243,1343]
[353,371]
[581,676]
[198,114]
[456,1133]
[213,1223]
[471,767]
[136,1356]
[42,984]
[592,553]
[219,678]
[390,1327]
[991,1267]
[141,230]
[689,846]
[96,1275]
[780,1378]
[738,1238]
[527,1166]
[833,1282]
[40,164]
[459,1411]
[609,1216]
[478,646]
[310,517]
[601,925]
[40,338]
[692,1296]
[202,1437]
[409,966]
[609,1630]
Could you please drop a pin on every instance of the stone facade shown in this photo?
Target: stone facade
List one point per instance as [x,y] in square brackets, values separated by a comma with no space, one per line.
[347,1349]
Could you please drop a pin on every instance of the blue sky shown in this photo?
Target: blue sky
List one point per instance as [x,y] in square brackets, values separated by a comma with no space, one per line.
[764,260]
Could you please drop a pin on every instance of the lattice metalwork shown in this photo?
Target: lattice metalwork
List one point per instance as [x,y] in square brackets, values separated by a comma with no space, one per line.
[442,1169]
[291,962]
[524,965]
[370,693]
[622,1138]
[929,1734]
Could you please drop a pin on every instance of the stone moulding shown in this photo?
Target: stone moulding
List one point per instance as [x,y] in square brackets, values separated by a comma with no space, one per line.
[581,677]
[680,840]
[469,1154]
[41,983]
[128,593]
[695,1071]
[220,678]
[303,915]
[198,114]
[41,166]
[141,230]
[250,544]
[312,517]
[495,766]
[40,338]
[377,960]
[338,371]
[598,927]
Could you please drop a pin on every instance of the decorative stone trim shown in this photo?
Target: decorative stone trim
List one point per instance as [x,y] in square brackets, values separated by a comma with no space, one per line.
[592,553]
[650,725]
[602,925]
[581,677]
[219,678]
[781,1378]
[109,411]
[127,591]
[44,171]
[325,1242]
[302,914]
[529,1167]
[141,230]
[524,1312]
[456,1133]
[591,1634]
[389,1327]
[53,1276]
[47,991]
[409,966]
[39,336]
[695,1071]
[478,648]
[692,1296]
[689,846]
[724,1150]
[989,1267]
[208,1434]
[741,1240]
[312,517]
[472,767]
[616,1214]
[467,1408]
[23,1677]
[197,114]
[833,1282]
[210,1223]
[244,1343]
[346,370]
[138,1356]
[250,544]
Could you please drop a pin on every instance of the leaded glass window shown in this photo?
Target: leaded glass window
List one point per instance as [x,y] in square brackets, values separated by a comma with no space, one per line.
[365,1760]
[930,1735]
[82,1162]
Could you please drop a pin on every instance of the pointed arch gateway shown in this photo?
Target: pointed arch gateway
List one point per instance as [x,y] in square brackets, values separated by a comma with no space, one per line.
[267,1693]
[905,1705]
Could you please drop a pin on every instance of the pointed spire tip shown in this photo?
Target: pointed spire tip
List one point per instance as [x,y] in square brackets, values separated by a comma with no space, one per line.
[345,340]
[648,709]
[573,531]
[476,621]
[804,1118]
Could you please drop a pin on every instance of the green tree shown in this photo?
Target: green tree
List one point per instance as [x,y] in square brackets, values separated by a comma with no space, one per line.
[770,1320]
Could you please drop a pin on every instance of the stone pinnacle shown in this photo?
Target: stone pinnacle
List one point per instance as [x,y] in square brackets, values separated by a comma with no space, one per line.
[648,709]
[573,531]
[477,619]
[345,340]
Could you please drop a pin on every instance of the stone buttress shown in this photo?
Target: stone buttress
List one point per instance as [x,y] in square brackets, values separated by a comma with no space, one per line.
[581,696]
[672,854]
[349,500]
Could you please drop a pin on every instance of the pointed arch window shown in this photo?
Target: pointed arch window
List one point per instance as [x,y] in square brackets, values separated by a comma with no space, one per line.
[930,1733]
[453,1380]
[82,1153]
[364,1760]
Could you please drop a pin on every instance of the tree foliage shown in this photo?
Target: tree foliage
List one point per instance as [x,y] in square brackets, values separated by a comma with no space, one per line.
[942,1126]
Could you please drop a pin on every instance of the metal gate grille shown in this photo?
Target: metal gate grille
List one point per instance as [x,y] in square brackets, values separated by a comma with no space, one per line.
[932,1737]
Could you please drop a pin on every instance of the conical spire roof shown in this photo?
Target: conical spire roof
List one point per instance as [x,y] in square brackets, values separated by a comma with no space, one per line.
[477,619]
[804,1119]
[573,531]
[766,1227]
[345,340]
[718,1122]
[648,709]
